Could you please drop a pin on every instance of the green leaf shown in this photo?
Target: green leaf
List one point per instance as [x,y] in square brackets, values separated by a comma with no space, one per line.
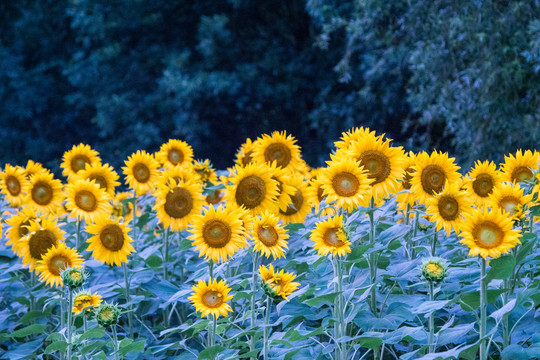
[328,298]
[29,330]
[296,335]
[369,342]
[95,332]
[501,268]
[525,248]
[472,299]
[137,346]
[210,352]
[56,346]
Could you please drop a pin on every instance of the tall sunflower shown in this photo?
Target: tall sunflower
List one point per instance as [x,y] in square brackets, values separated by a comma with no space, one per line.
[404,195]
[481,181]
[211,298]
[218,233]
[122,208]
[32,168]
[18,226]
[278,283]
[278,147]
[300,204]
[44,193]
[85,300]
[104,175]
[175,153]
[205,171]
[244,154]
[177,173]
[141,172]
[270,237]
[57,258]
[448,207]
[431,173]
[86,200]
[41,237]
[489,233]
[111,243]
[330,237]
[520,168]
[285,190]
[509,198]
[14,185]
[351,136]
[77,158]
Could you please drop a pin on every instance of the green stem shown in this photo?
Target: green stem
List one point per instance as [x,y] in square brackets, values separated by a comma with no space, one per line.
[214,330]
[340,310]
[69,324]
[78,243]
[255,259]
[32,297]
[372,261]
[408,235]
[128,299]
[415,232]
[505,324]
[134,213]
[266,326]
[85,329]
[434,240]
[431,320]
[116,344]
[62,314]
[211,269]
[166,252]
[483,309]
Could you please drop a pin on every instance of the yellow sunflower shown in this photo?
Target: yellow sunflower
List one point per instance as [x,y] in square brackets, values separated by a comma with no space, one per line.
[253,187]
[218,233]
[244,154]
[510,199]
[489,233]
[111,243]
[56,259]
[76,159]
[178,174]
[85,300]
[178,203]
[481,181]
[346,183]
[351,136]
[141,172]
[278,147]
[86,200]
[215,197]
[431,173]
[330,237]
[448,207]
[44,193]
[18,226]
[14,185]
[521,167]
[41,237]
[285,190]
[211,298]
[300,204]
[404,195]
[104,175]
[205,171]
[175,152]
[32,168]
[270,237]
[123,209]
[281,283]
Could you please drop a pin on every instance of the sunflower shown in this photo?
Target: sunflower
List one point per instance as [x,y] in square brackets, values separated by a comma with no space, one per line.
[14,185]
[330,237]
[56,259]
[218,233]
[300,204]
[103,175]
[346,183]
[253,187]
[76,159]
[278,147]
[285,190]
[244,154]
[178,174]
[520,168]
[215,197]
[404,195]
[123,208]
[448,207]
[44,193]
[178,203]
[85,300]
[481,181]
[175,153]
[278,283]
[18,226]
[270,237]
[211,298]
[431,173]
[111,243]
[352,136]
[32,168]
[141,172]
[205,171]
[86,200]
[488,232]
[510,199]
[41,237]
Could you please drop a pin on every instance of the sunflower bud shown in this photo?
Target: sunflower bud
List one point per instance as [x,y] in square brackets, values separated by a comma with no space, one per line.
[107,314]
[270,290]
[434,269]
[73,277]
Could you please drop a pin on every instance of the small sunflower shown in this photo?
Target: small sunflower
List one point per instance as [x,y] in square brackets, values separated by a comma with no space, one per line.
[218,233]
[489,233]
[18,226]
[434,269]
[300,204]
[205,171]
[404,195]
[56,259]
[448,207]
[270,237]
[481,181]
[111,243]
[86,200]
[277,283]
[285,190]
[521,167]
[175,153]
[509,198]
[104,175]
[244,154]
[42,236]
[123,208]
[85,300]
[45,193]
[77,158]
[330,237]
[211,298]
[278,147]
[14,185]
[431,173]
[177,173]
[352,136]
[141,172]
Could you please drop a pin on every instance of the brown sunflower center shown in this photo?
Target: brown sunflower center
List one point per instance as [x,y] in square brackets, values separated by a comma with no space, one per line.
[279,153]
[320,194]
[433,178]
[86,200]
[42,193]
[345,184]
[509,204]
[377,165]
[112,237]
[78,162]
[333,237]
[40,242]
[488,235]
[483,185]
[141,173]
[212,299]
[100,180]
[297,202]
[178,203]
[58,263]
[23,227]
[407,178]
[214,197]
[250,191]
[175,156]
[13,185]
[246,159]
[268,235]
[216,233]
[448,208]
[521,173]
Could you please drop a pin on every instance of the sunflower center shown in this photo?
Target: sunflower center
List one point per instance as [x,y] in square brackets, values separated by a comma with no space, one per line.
[178,203]
[377,165]
[521,173]
[86,200]
[434,269]
[78,162]
[433,178]
[509,204]
[216,233]
[407,178]
[175,156]
[320,194]
[23,228]
[212,299]
[488,235]
[448,208]
[100,180]
[297,202]
[40,242]
[268,235]
[334,237]
[279,153]
[58,263]
[141,172]
[214,197]
[42,193]
[483,185]
[246,159]
[13,185]
[82,301]
[250,191]
[112,237]
[345,184]
[106,314]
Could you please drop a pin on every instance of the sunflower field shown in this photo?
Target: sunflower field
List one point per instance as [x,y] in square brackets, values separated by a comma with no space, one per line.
[382,254]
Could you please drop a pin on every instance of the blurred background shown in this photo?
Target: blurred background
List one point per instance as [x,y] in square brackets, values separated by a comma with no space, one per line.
[459,76]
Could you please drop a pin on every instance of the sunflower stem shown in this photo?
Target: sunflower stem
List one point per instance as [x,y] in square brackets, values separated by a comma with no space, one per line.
[211,269]
[434,240]
[166,252]
[134,218]
[69,324]
[341,349]
[116,344]
[32,284]
[85,328]
[415,232]
[78,234]
[266,326]
[431,319]
[255,257]
[408,236]
[505,325]
[372,260]
[483,309]
[214,330]
[128,300]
